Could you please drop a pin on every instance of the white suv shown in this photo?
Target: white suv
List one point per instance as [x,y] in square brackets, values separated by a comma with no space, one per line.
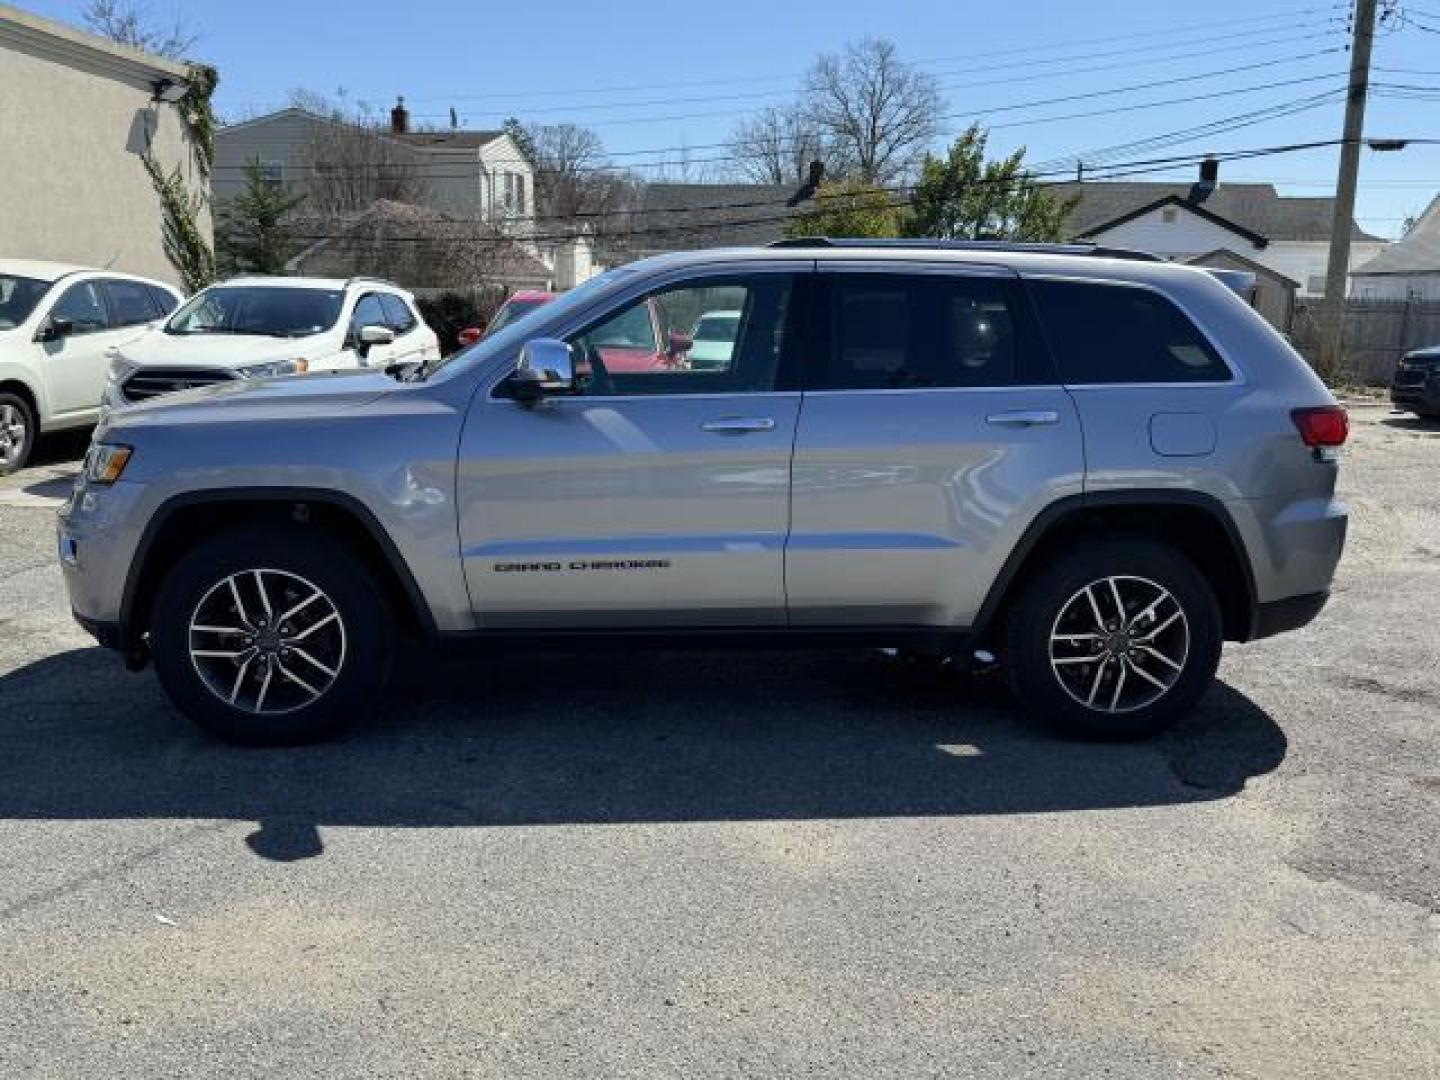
[57,323]
[262,327]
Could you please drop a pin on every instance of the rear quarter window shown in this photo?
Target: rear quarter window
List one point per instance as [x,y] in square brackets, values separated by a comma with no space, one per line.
[1123,334]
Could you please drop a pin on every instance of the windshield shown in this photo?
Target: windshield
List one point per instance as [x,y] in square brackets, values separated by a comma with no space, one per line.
[18,297]
[524,327]
[513,310]
[261,310]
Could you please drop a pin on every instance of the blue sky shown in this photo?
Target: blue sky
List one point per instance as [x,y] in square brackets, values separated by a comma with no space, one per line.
[651,77]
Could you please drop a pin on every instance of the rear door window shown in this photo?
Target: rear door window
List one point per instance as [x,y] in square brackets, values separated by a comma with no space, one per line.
[926,331]
[1123,334]
[164,302]
[130,302]
[397,313]
[368,312]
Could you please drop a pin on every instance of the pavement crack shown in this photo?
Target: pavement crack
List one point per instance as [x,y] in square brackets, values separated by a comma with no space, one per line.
[100,873]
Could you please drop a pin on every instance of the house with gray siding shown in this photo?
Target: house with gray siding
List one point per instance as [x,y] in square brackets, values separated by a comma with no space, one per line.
[479,175]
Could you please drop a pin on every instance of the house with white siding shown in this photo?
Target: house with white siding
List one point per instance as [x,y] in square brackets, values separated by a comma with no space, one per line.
[1408,269]
[1289,235]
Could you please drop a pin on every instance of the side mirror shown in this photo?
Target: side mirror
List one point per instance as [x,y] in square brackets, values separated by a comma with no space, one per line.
[374,334]
[469,336]
[546,367]
[55,329]
[677,343]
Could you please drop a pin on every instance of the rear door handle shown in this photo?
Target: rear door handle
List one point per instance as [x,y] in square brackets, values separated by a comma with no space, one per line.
[738,425]
[1024,417]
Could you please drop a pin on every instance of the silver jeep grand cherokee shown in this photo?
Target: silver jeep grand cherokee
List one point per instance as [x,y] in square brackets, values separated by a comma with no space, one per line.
[1095,465]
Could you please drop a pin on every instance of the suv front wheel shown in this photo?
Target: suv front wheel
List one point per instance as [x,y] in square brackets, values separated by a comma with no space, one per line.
[269,636]
[1115,639]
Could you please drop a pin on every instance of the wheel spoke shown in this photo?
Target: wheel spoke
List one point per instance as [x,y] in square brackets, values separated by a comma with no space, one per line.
[240,677]
[1119,604]
[1119,686]
[312,628]
[1095,607]
[1060,661]
[297,680]
[217,629]
[1158,655]
[264,596]
[264,688]
[302,605]
[213,654]
[1152,634]
[310,659]
[1138,670]
[1149,609]
[239,604]
[1077,637]
[1095,686]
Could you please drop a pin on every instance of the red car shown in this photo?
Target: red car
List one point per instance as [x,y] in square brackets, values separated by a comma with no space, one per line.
[636,341]
[520,303]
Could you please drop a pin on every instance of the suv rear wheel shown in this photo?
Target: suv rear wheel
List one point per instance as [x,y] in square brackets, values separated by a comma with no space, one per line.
[1115,640]
[269,636]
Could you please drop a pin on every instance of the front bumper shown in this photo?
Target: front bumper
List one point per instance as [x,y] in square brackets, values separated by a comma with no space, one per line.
[96,539]
[1422,398]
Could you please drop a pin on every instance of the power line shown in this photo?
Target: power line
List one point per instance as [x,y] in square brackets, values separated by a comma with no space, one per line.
[1169,31]
[1113,171]
[1288,39]
[397,169]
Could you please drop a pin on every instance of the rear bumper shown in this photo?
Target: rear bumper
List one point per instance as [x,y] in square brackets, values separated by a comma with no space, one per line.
[1293,612]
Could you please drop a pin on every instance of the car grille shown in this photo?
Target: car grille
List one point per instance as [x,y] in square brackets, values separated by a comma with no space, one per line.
[143,385]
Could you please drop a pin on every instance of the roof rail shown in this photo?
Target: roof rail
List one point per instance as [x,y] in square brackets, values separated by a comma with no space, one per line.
[1081,248]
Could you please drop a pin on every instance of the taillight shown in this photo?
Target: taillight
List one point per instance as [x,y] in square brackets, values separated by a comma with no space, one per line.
[1326,426]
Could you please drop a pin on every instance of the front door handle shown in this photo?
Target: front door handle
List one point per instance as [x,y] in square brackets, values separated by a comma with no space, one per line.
[738,425]
[1024,417]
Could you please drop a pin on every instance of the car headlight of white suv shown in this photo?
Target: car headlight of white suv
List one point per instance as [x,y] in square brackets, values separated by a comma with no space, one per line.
[273,368]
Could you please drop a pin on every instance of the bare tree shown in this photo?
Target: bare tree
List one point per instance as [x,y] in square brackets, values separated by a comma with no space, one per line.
[575,184]
[776,145]
[876,113]
[130,22]
[565,158]
[351,161]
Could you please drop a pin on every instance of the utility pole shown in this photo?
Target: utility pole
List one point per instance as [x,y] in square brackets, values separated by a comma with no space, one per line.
[1337,272]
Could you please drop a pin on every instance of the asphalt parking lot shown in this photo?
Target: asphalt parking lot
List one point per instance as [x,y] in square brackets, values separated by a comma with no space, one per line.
[777,864]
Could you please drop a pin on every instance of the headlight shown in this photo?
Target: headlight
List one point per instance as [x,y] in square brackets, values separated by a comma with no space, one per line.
[105,462]
[274,368]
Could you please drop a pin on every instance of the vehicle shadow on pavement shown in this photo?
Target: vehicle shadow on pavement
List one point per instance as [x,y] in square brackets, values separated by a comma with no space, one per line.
[1420,424]
[604,737]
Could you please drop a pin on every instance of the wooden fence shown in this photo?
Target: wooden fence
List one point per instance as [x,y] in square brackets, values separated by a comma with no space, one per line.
[1376,334]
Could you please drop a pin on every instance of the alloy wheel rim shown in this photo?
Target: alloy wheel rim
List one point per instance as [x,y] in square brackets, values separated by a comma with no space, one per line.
[267,641]
[1119,644]
[12,433]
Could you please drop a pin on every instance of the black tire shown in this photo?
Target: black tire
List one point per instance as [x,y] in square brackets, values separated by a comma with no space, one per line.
[15,453]
[1044,608]
[290,558]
